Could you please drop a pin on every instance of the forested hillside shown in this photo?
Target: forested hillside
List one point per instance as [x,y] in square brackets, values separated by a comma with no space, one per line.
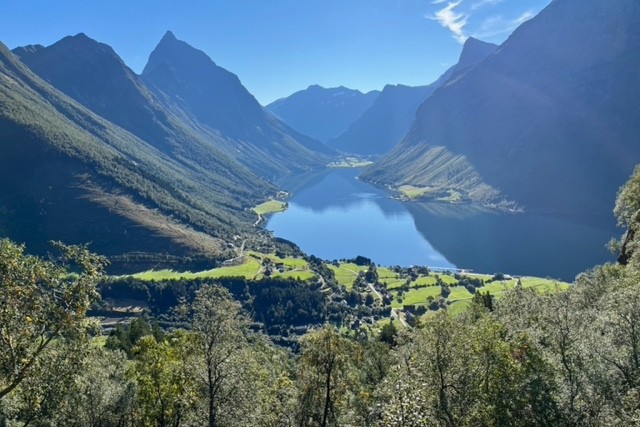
[71,175]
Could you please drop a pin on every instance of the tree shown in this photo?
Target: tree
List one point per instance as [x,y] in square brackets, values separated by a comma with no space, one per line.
[326,375]
[101,394]
[627,211]
[222,351]
[388,333]
[40,301]
[165,385]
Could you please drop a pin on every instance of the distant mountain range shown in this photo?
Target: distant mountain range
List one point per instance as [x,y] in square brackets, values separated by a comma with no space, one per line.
[550,120]
[144,164]
[388,120]
[367,124]
[322,113]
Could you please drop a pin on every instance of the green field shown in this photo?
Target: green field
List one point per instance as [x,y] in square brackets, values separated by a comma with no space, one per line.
[458,307]
[249,269]
[271,206]
[539,284]
[420,290]
[459,293]
[417,296]
[390,278]
[346,273]
[413,192]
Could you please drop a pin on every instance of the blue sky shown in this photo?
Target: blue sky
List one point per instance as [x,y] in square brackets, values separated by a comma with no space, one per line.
[278,47]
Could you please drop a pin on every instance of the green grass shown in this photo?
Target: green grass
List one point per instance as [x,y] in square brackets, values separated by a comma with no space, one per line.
[390,278]
[539,284]
[459,293]
[413,192]
[343,276]
[346,273]
[497,288]
[417,296]
[386,273]
[249,269]
[426,280]
[271,206]
[449,280]
[458,307]
[393,284]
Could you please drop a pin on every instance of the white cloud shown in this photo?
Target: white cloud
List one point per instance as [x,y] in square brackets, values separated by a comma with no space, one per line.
[452,20]
[499,25]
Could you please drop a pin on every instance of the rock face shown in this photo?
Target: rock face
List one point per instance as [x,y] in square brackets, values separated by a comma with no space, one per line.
[389,119]
[322,113]
[550,119]
[190,85]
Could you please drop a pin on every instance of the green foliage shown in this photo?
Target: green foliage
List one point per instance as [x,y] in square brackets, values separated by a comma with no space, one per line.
[40,302]
[326,377]
[628,200]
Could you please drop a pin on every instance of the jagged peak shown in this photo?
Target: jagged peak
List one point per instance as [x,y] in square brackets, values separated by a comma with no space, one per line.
[475,50]
[168,37]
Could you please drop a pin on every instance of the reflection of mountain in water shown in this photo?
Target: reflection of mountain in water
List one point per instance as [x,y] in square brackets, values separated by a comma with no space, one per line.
[514,243]
[468,236]
[337,189]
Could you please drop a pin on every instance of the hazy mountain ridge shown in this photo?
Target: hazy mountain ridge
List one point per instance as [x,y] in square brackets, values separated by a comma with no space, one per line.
[550,119]
[322,113]
[389,119]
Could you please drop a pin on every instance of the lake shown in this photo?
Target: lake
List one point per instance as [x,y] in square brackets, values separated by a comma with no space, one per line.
[333,215]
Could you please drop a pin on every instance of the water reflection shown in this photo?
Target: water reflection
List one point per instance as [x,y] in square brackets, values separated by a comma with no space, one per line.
[333,215]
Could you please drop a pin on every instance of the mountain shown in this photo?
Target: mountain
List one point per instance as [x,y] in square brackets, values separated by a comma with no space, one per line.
[389,119]
[380,127]
[550,120]
[322,113]
[69,174]
[194,88]
[95,76]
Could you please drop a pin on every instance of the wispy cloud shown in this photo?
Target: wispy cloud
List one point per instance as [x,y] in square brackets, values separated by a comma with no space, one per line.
[499,25]
[451,19]
[482,3]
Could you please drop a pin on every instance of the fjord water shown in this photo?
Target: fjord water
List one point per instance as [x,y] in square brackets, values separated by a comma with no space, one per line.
[334,215]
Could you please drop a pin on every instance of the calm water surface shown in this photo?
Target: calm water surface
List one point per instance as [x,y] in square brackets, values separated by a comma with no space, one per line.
[333,215]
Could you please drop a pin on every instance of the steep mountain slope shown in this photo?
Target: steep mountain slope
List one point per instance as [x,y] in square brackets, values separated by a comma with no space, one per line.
[70,175]
[550,120]
[382,126]
[322,113]
[94,75]
[195,89]
[389,119]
